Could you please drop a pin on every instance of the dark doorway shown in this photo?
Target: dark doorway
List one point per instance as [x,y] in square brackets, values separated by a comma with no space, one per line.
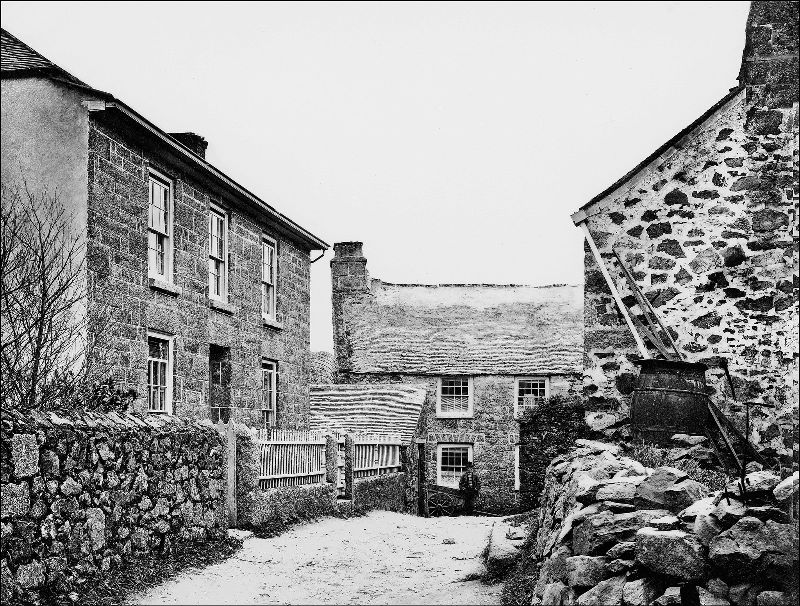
[219,383]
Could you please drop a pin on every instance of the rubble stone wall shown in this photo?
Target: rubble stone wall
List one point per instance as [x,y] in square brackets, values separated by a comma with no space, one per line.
[82,495]
[117,263]
[611,531]
[710,232]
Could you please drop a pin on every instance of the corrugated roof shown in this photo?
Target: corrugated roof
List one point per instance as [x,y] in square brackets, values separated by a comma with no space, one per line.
[466,329]
[362,408]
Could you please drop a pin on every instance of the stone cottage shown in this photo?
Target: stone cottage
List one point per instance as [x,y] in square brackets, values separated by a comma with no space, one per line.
[482,352]
[204,284]
[708,226]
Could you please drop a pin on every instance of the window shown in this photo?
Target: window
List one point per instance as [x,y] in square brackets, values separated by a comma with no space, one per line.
[217,255]
[268,273]
[529,392]
[159,374]
[452,462]
[159,223]
[269,395]
[219,383]
[455,397]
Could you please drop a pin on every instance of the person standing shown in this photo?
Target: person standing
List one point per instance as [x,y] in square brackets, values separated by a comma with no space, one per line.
[470,486]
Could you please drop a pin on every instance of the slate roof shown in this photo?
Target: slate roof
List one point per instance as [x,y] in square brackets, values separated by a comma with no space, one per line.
[18,60]
[467,329]
[367,408]
[18,57]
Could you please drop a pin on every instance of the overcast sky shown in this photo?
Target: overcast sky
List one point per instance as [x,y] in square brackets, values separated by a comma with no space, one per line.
[453,139]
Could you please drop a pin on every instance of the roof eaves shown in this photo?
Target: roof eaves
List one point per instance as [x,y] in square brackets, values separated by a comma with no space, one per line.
[580,215]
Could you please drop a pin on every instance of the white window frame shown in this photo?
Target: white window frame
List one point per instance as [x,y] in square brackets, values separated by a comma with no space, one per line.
[162,179]
[272,405]
[216,212]
[168,394]
[439,449]
[517,380]
[267,241]
[517,482]
[470,399]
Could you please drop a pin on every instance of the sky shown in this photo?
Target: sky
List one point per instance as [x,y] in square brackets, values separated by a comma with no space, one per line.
[453,139]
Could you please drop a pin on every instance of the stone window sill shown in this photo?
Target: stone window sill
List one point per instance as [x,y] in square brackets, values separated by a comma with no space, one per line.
[165,287]
[271,323]
[222,306]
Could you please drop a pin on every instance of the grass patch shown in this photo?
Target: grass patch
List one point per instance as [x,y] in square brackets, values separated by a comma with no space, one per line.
[650,455]
[141,573]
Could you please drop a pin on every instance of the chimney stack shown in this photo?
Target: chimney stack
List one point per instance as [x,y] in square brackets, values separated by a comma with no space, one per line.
[349,267]
[769,61]
[193,141]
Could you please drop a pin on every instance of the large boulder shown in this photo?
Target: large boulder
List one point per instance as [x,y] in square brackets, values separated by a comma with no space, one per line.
[758,551]
[586,571]
[503,551]
[755,482]
[605,593]
[651,493]
[640,592]
[555,594]
[701,506]
[671,597]
[682,494]
[787,487]
[599,532]
[674,553]
[729,511]
[706,598]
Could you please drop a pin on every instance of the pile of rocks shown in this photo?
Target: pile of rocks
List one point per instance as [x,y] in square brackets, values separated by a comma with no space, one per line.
[612,531]
[80,495]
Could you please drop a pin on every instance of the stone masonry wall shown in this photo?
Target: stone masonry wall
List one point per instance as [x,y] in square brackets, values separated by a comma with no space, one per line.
[709,231]
[82,495]
[118,173]
[493,431]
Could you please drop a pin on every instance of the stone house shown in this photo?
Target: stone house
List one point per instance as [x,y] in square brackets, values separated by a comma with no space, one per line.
[708,226]
[482,352]
[202,288]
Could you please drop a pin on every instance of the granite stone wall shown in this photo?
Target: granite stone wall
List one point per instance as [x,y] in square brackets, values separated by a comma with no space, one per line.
[709,230]
[84,494]
[492,431]
[386,492]
[117,263]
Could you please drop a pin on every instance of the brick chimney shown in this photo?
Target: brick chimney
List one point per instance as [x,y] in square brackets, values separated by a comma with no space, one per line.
[349,267]
[769,61]
[193,141]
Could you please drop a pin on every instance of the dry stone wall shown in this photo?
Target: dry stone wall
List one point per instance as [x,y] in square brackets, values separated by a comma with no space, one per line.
[611,531]
[83,495]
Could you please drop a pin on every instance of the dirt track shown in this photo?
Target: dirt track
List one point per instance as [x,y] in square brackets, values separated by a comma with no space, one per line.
[382,558]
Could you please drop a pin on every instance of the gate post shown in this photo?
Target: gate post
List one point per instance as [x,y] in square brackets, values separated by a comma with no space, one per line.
[230,480]
[349,455]
[331,459]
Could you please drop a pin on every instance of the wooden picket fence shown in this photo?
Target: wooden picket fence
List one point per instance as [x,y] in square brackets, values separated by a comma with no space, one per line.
[291,458]
[376,454]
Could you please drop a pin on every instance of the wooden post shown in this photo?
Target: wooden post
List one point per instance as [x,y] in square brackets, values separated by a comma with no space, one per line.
[349,464]
[331,459]
[230,481]
[614,292]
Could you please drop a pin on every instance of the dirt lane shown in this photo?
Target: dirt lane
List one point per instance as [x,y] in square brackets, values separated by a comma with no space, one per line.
[382,558]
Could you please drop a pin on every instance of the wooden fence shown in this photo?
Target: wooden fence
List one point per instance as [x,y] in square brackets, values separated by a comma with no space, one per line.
[291,458]
[376,454]
[296,458]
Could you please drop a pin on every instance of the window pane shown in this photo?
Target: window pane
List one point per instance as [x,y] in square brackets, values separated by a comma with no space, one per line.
[453,463]
[530,391]
[454,397]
